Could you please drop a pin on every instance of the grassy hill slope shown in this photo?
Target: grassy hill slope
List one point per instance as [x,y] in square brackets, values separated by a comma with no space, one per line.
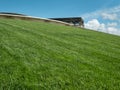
[44,56]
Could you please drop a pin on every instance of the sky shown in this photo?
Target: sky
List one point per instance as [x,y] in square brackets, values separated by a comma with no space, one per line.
[100,15]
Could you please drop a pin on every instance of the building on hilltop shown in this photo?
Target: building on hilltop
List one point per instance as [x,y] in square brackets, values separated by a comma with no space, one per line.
[76,21]
[71,21]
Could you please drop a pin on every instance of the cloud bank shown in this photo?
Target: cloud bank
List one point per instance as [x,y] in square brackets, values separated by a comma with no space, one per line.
[110,28]
[107,20]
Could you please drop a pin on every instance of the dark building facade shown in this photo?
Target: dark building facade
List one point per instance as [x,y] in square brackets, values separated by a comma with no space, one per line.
[76,21]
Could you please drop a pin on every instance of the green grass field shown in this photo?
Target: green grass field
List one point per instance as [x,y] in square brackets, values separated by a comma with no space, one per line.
[46,56]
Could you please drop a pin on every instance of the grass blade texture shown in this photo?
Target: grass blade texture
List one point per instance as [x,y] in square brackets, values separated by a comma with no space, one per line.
[46,56]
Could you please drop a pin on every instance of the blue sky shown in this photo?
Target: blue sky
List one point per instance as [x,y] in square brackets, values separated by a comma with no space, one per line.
[102,15]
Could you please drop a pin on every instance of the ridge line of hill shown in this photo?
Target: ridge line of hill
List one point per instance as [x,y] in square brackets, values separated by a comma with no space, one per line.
[31,18]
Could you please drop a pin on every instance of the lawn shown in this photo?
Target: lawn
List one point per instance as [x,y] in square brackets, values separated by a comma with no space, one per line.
[47,56]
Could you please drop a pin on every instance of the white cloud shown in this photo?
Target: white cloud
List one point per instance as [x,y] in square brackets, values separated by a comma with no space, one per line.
[113,30]
[109,20]
[113,24]
[105,13]
[94,24]
[109,16]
